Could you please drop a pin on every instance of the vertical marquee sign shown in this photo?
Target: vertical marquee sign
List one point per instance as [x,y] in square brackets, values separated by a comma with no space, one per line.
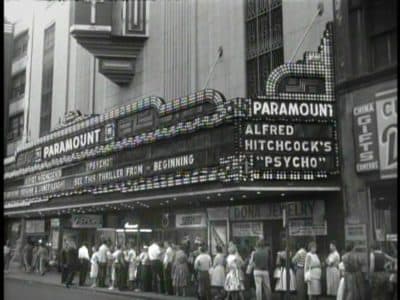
[290,134]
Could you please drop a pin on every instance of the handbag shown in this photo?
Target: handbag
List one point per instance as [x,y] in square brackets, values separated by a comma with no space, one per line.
[277,273]
[307,276]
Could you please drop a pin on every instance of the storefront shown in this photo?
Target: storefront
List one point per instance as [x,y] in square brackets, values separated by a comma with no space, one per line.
[199,167]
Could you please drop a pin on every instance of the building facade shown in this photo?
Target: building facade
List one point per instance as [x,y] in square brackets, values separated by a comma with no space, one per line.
[140,127]
[366,85]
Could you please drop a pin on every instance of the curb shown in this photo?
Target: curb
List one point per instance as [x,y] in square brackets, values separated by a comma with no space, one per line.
[130,294]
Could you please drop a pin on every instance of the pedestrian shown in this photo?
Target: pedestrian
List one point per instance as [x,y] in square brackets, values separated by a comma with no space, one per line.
[157,278]
[353,284]
[132,268]
[43,256]
[249,274]
[63,263]
[332,270]
[72,263]
[380,284]
[110,271]
[115,268]
[84,260]
[145,270]
[192,256]
[340,292]
[312,272]
[102,258]
[180,271]
[202,265]
[120,277]
[27,256]
[234,285]
[167,267]
[94,267]
[7,256]
[218,274]
[298,262]
[260,260]
[282,285]
[35,258]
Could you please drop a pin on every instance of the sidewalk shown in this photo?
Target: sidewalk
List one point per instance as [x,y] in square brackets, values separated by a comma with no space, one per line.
[54,278]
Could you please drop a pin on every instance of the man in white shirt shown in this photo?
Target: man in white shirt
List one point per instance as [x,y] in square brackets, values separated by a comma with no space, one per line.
[167,264]
[84,259]
[101,277]
[156,268]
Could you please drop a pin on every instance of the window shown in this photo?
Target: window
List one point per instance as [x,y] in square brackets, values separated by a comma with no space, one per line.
[264,42]
[382,33]
[15,127]
[21,45]
[47,80]
[18,86]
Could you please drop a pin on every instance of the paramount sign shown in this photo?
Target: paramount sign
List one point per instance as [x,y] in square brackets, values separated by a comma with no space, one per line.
[72,143]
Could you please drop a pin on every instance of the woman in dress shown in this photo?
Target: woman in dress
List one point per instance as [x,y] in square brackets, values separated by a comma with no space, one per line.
[332,270]
[132,268]
[94,266]
[180,272]
[218,273]
[353,283]
[281,284]
[340,292]
[234,282]
[298,263]
[312,272]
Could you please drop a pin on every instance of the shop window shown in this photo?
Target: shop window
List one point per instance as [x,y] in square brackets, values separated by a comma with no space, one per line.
[20,45]
[18,86]
[15,127]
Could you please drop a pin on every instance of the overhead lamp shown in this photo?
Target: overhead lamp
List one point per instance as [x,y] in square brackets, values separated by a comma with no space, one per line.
[282,194]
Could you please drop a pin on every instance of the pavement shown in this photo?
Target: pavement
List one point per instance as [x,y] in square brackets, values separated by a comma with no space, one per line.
[52,279]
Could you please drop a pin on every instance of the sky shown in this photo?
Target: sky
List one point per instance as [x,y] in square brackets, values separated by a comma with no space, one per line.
[15,10]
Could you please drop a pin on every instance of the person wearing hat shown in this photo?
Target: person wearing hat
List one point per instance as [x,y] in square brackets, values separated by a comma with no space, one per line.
[145,270]
[72,263]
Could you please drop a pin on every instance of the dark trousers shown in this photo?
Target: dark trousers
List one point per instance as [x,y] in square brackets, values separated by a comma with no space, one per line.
[83,270]
[101,276]
[64,273]
[70,275]
[168,279]
[157,278]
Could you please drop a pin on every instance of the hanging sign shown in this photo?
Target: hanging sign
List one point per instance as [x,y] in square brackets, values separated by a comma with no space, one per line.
[190,220]
[34,226]
[86,221]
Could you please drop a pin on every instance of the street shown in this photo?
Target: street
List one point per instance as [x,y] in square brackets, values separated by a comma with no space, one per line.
[17,290]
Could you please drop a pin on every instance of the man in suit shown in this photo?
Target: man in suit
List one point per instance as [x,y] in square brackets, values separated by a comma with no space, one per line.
[72,263]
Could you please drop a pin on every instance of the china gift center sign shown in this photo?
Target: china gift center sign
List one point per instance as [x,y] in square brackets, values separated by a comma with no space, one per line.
[375,130]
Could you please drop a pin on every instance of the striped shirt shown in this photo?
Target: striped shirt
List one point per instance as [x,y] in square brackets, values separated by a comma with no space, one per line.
[299,258]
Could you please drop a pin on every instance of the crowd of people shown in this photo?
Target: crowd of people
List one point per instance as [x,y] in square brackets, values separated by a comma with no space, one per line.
[173,269]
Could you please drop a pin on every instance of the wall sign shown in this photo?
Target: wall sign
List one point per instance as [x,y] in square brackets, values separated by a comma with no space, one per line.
[273,211]
[366,138]
[246,229]
[190,220]
[34,226]
[86,221]
[307,227]
[386,112]
[375,125]
[356,232]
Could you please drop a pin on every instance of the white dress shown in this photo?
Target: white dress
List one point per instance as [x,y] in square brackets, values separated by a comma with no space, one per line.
[132,271]
[94,265]
[340,291]
[313,266]
[332,273]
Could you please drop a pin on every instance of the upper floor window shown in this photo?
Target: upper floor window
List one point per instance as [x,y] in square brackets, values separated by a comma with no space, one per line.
[21,45]
[382,33]
[18,86]
[15,127]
